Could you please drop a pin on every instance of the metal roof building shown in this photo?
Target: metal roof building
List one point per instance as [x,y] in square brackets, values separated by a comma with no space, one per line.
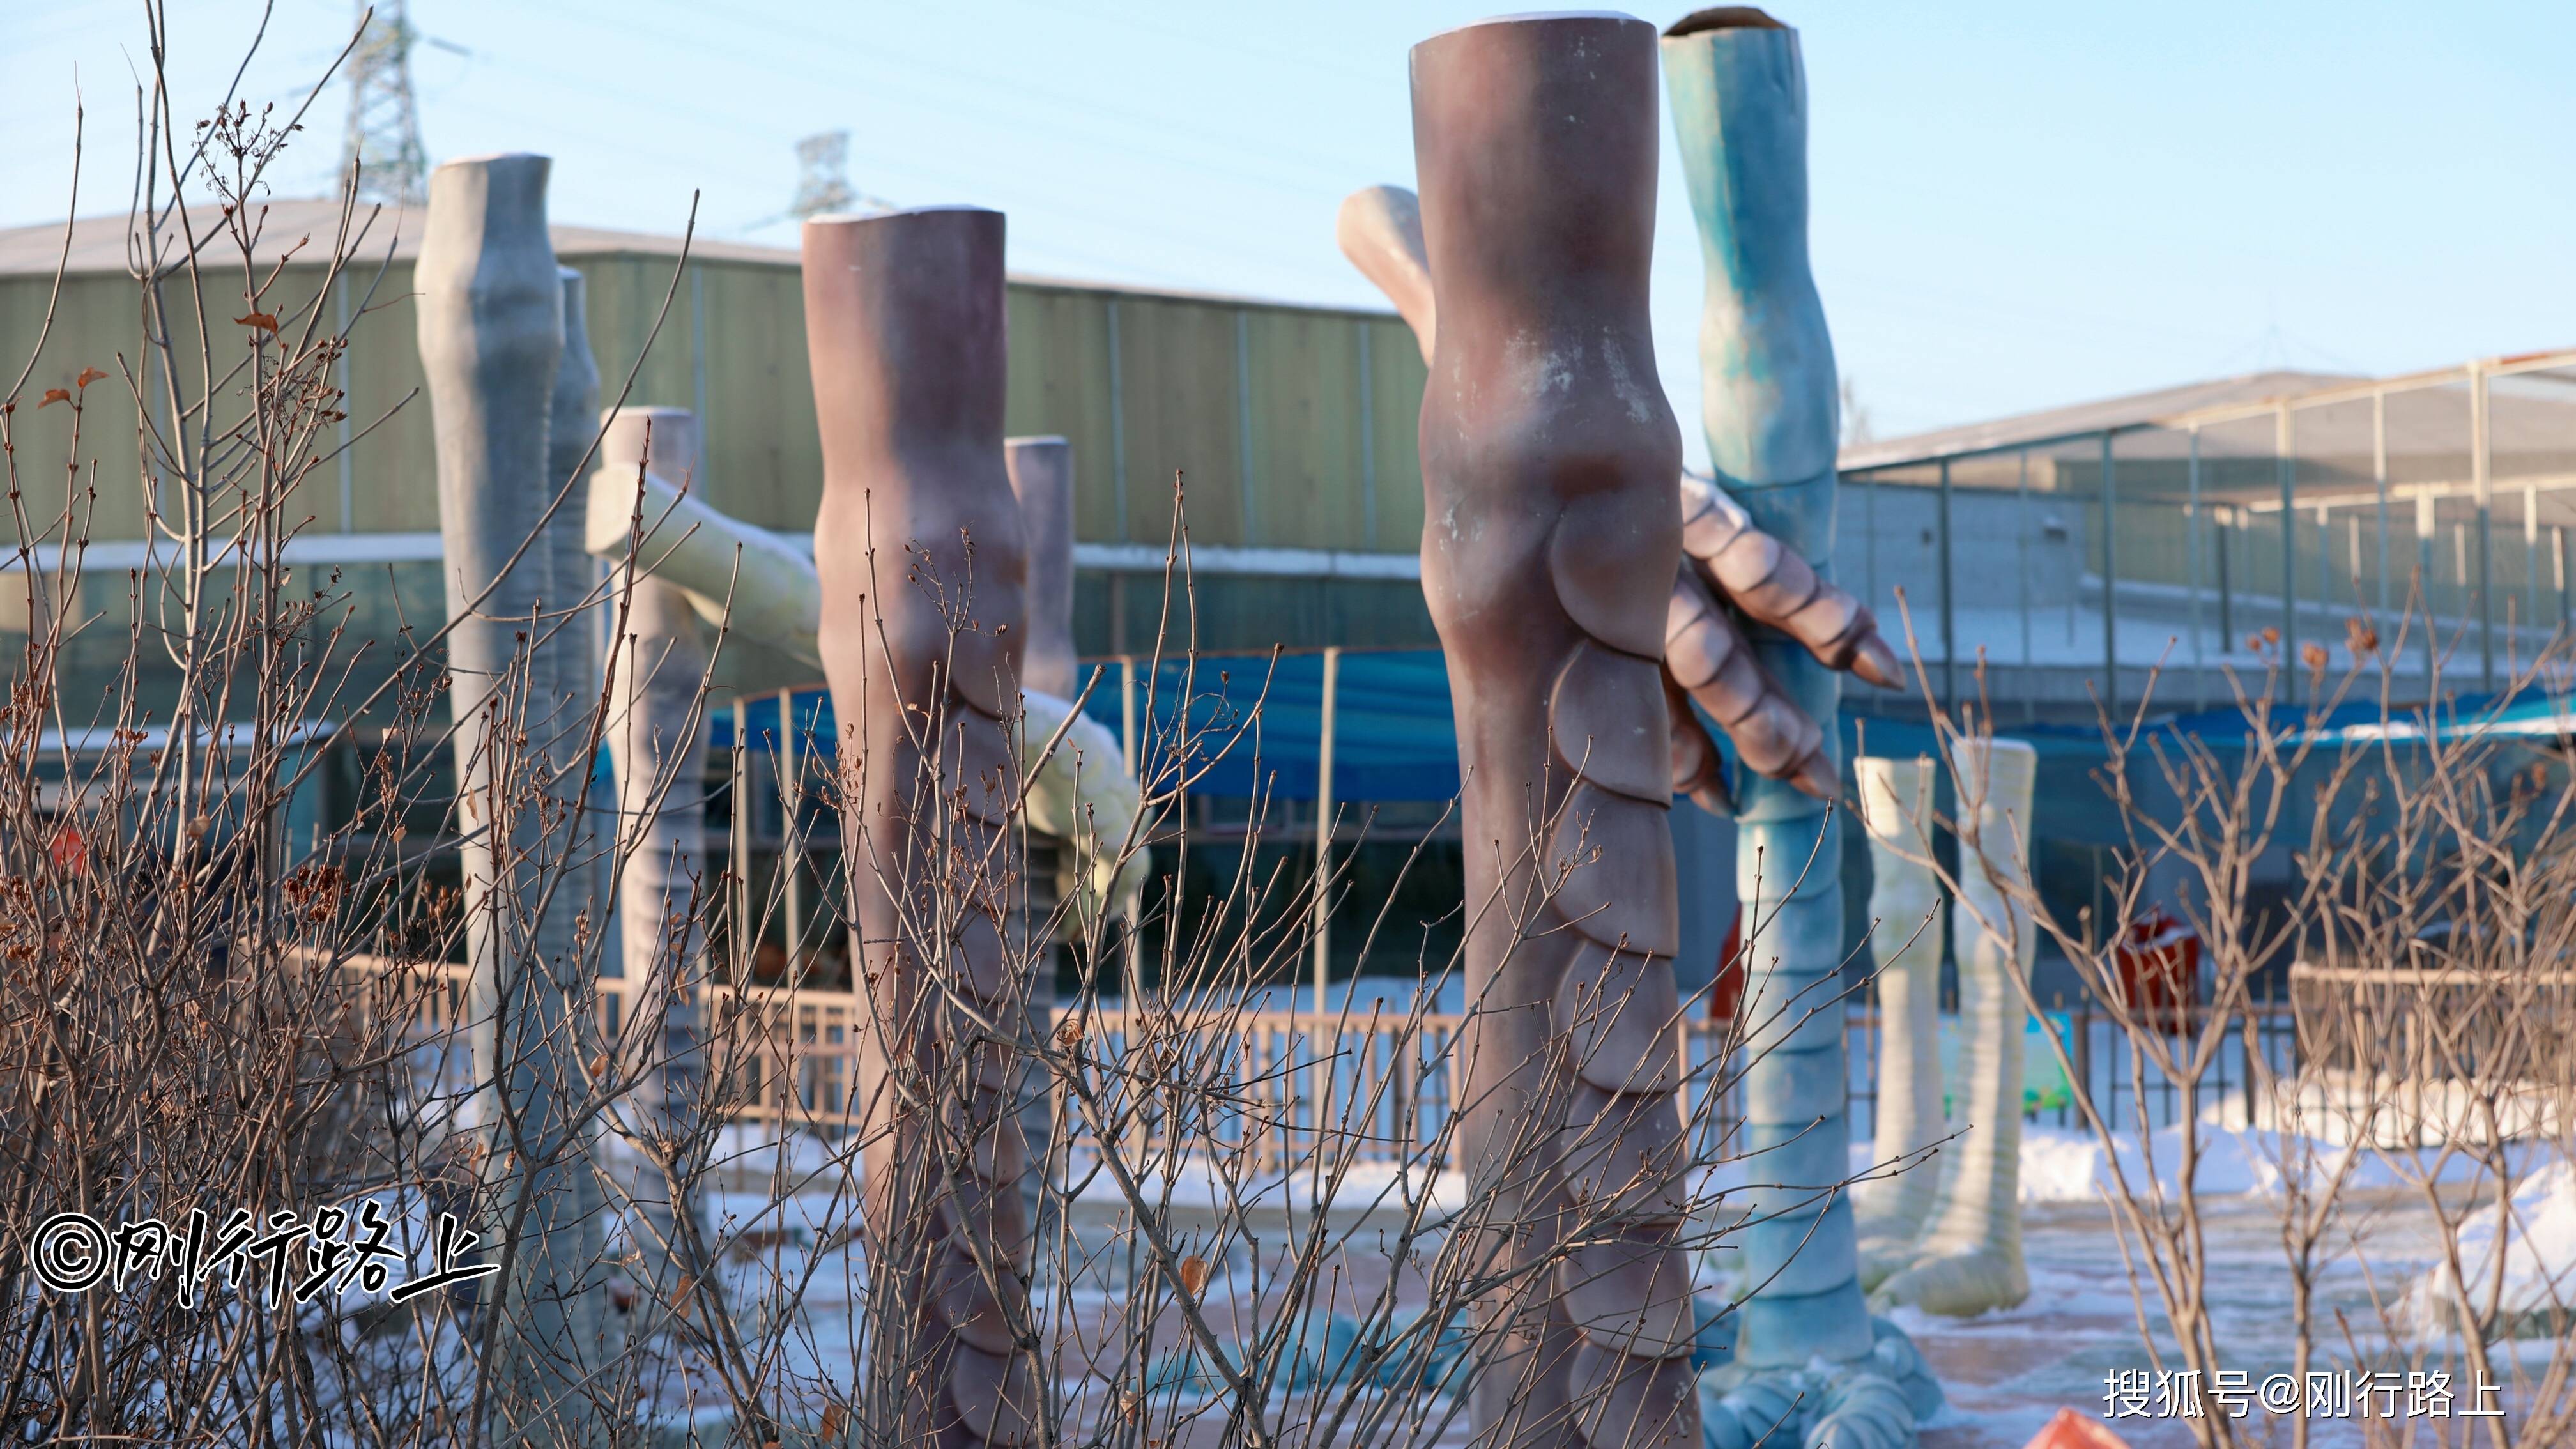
[2075,551]
[1292,426]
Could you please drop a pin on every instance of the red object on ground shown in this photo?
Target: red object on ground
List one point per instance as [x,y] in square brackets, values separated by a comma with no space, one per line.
[2160,969]
[1726,989]
[2072,1430]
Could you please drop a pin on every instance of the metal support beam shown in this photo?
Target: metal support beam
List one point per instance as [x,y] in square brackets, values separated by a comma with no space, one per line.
[2110,581]
[1368,439]
[1128,745]
[2285,463]
[2325,556]
[2021,536]
[1324,808]
[1243,425]
[1117,426]
[2482,486]
[2530,558]
[2558,551]
[2379,481]
[2424,586]
[2192,523]
[698,376]
[791,837]
[348,462]
[1127,713]
[1869,539]
[2226,584]
[741,842]
[1949,613]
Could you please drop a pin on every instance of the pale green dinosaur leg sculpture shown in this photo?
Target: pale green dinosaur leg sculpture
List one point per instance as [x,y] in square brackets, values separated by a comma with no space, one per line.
[1906,913]
[1970,1258]
[1769,398]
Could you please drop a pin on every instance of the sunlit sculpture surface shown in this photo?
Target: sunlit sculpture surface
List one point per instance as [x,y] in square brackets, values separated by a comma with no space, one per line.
[922,561]
[1731,571]
[1906,913]
[1548,457]
[490,301]
[1768,397]
[1041,471]
[1969,1258]
[657,743]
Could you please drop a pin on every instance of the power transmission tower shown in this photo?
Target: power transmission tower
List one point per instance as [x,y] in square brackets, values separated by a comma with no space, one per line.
[823,175]
[383,139]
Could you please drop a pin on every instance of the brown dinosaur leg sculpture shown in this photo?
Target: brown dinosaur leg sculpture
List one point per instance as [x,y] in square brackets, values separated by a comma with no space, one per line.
[919,546]
[1548,458]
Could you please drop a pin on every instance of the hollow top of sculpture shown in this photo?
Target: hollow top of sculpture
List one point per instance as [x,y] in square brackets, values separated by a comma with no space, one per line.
[1895,797]
[1535,141]
[1546,440]
[506,190]
[673,446]
[1722,17]
[912,350]
[1993,771]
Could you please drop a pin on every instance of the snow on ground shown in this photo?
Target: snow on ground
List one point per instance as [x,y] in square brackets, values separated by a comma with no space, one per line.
[2069,1165]
[2539,1257]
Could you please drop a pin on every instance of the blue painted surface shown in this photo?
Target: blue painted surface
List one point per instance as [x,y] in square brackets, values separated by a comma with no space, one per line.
[1256,723]
[1768,393]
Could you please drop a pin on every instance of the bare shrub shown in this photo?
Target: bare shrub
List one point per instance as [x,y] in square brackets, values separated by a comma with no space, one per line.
[1250,1228]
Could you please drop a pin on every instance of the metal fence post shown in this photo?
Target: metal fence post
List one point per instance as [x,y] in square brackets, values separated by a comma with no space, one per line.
[791,854]
[1323,904]
[2110,580]
[740,791]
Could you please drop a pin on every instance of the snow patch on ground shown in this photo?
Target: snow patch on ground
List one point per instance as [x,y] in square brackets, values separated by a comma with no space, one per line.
[2070,1165]
[2539,1260]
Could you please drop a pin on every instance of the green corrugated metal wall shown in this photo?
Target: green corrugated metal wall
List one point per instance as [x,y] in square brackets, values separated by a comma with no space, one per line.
[1292,427]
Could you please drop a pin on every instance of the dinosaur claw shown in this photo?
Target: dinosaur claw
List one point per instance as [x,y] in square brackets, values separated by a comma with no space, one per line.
[1873,661]
[1815,776]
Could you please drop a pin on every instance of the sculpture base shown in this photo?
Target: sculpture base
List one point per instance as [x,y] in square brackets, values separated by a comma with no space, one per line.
[1877,1401]
[1957,1285]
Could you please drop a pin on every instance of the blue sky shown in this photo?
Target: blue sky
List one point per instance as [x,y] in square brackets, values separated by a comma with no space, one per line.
[2016,204]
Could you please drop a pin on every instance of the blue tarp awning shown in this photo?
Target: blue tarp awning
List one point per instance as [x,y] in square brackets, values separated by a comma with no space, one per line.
[1255,722]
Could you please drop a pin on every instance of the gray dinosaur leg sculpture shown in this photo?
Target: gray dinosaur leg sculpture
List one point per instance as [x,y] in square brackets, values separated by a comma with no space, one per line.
[923,567]
[491,318]
[1548,460]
